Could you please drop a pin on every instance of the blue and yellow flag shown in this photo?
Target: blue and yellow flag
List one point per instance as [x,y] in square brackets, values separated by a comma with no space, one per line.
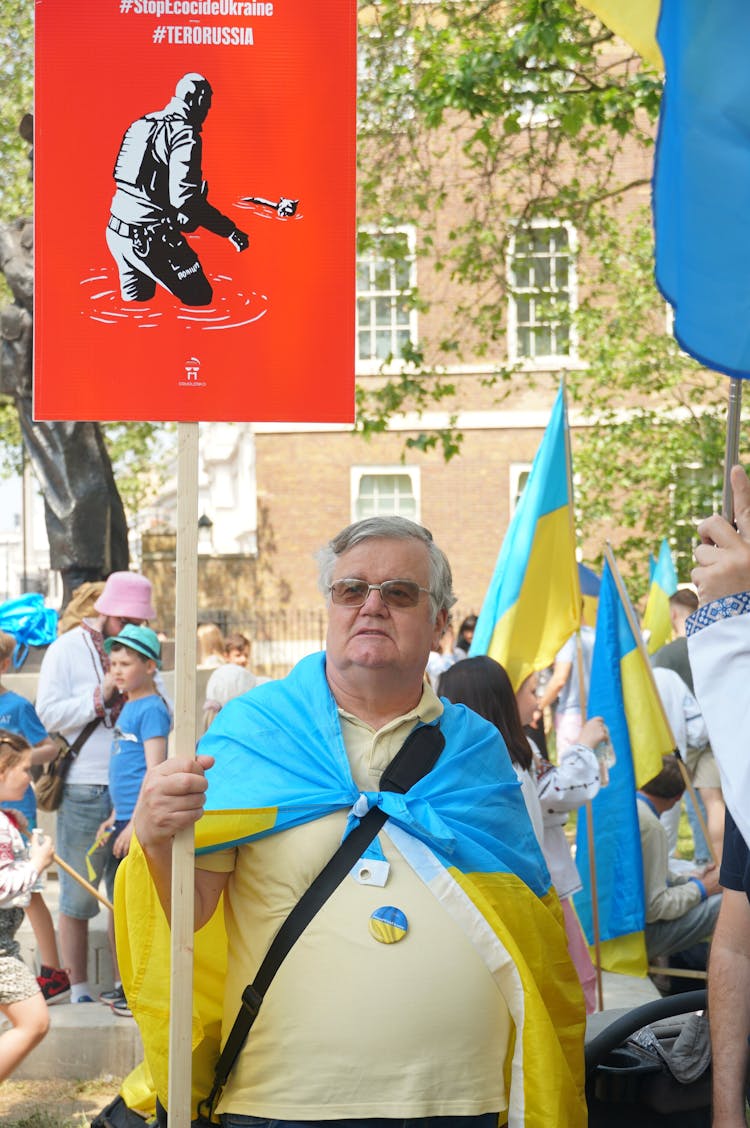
[622,691]
[656,619]
[463,829]
[533,604]
[590,584]
[701,167]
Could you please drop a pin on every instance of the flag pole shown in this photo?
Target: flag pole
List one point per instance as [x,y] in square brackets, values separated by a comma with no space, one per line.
[625,600]
[582,696]
[732,449]
[590,839]
[183,743]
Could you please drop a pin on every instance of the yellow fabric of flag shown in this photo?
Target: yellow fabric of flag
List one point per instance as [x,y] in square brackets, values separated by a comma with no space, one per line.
[634,21]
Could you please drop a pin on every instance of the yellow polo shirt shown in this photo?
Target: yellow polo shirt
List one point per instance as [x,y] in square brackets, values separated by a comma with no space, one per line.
[352,1027]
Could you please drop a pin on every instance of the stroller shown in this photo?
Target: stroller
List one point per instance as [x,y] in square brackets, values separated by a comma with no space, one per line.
[651,1066]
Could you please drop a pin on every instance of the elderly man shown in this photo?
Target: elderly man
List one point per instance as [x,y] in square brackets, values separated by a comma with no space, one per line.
[476,1012]
[77,698]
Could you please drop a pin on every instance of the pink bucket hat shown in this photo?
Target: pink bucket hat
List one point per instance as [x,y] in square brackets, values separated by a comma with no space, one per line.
[126,595]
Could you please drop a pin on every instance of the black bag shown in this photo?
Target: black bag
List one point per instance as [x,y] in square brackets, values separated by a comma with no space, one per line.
[49,786]
[652,1067]
[118,1115]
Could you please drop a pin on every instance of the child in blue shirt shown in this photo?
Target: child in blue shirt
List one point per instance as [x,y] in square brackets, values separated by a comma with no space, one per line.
[139,742]
[140,736]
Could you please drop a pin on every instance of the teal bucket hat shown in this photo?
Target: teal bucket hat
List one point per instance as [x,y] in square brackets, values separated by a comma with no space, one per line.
[142,639]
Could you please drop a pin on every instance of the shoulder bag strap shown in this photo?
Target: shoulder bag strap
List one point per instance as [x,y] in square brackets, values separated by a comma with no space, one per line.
[83,736]
[416,757]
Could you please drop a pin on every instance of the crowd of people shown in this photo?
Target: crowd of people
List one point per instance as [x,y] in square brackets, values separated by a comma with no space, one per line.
[477,871]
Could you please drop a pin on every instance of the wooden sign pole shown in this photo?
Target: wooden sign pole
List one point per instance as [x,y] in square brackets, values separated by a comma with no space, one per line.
[183,851]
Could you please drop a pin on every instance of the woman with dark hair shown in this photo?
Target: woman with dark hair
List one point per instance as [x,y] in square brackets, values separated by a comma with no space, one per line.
[483,685]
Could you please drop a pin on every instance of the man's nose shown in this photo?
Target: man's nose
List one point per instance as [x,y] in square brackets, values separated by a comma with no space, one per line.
[374,604]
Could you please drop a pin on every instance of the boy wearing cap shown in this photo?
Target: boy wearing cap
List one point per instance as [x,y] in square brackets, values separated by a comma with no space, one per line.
[139,742]
[76,688]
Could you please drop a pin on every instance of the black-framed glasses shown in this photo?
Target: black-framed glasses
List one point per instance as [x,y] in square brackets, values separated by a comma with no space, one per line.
[394,593]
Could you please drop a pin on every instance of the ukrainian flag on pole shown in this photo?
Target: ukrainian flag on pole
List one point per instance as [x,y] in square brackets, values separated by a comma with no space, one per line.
[533,604]
[623,692]
[656,618]
[590,584]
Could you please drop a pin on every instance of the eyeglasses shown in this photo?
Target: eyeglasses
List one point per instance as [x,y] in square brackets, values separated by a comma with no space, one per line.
[394,593]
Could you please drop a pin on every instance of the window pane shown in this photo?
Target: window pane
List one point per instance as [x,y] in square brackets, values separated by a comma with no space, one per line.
[523,310]
[524,342]
[541,273]
[382,344]
[402,275]
[402,340]
[364,346]
[382,280]
[543,341]
[382,311]
[541,278]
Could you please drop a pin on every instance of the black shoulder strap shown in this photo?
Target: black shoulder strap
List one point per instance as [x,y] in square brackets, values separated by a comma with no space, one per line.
[83,736]
[416,757]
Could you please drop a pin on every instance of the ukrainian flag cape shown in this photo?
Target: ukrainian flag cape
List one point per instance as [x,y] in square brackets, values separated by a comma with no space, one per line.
[281,761]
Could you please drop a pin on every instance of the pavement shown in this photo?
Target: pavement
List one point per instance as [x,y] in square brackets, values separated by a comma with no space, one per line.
[87,1041]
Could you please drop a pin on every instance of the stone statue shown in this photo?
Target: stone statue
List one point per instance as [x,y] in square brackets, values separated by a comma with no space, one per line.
[86,525]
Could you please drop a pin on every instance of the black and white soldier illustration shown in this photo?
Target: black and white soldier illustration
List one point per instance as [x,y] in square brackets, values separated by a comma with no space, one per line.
[161,194]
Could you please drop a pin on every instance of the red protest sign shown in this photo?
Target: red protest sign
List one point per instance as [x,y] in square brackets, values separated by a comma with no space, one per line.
[195,210]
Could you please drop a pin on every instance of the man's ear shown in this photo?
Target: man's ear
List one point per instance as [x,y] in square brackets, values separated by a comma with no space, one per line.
[440,625]
[5,665]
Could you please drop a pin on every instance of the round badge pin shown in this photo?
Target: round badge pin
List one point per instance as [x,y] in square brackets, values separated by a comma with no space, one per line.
[388,924]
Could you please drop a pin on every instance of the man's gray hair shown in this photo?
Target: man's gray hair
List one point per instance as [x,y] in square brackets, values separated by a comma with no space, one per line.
[390,528]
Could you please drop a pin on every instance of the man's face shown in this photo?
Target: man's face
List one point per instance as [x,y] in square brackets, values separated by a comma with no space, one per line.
[113,624]
[374,636]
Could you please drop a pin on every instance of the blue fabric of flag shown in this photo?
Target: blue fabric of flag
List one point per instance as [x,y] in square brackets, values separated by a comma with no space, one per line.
[590,582]
[617,841]
[701,190]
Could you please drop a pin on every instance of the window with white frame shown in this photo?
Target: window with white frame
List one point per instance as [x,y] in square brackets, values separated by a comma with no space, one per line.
[386,322]
[378,491]
[542,292]
[519,476]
